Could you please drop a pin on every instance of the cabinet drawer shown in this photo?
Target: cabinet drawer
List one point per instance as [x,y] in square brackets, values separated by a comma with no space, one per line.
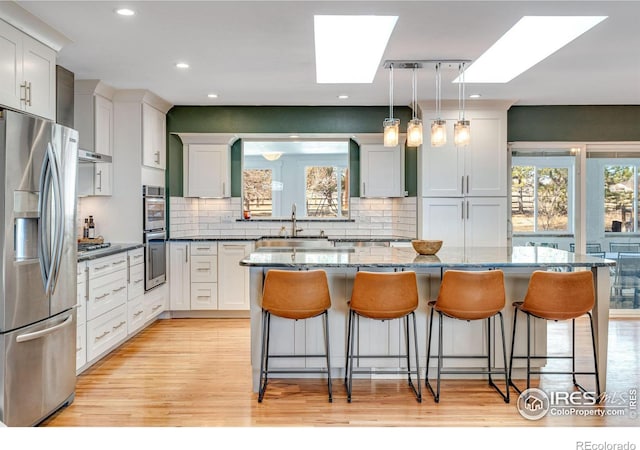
[136,281]
[203,248]
[135,315]
[204,269]
[136,256]
[81,303]
[106,293]
[81,346]
[155,302]
[106,331]
[108,264]
[204,296]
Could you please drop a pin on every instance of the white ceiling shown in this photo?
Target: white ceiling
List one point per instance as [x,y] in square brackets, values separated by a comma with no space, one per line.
[262,52]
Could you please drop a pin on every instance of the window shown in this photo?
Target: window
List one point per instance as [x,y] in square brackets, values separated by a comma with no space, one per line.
[313,174]
[542,194]
[258,192]
[326,193]
[620,198]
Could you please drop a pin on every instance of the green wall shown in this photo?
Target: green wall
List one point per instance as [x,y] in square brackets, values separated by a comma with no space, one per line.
[574,123]
[279,119]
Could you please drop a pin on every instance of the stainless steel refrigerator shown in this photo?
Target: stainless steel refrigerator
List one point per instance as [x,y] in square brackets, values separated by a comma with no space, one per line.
[38,165]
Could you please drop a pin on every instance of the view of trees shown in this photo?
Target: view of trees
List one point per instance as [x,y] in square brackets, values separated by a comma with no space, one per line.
[618,198]
[322,191]
[258,192]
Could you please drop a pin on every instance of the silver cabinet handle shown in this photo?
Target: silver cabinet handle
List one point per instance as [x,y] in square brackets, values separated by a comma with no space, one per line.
[157,157]
[203,248]
[203,269]
[29,93]
[204,296]
[119,289]
[186,254]
[102,267]
[23,98]
[462,184]
[462,210]
[100,297]
[364,189]
[467,184]
[137,281]
[99,175]
[467,210]
[156,307]
[136,314]
[102,335]
[128,269]
[117,263]
[115,327]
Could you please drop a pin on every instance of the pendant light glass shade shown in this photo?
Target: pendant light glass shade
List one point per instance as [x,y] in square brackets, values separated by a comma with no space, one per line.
[438,133]
[272,156]
[462,129]
[391,125]
[438,126]
[391,131]
[414,133]
[414,127]
[461,133]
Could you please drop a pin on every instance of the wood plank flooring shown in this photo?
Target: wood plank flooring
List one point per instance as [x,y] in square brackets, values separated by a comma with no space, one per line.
[196,373]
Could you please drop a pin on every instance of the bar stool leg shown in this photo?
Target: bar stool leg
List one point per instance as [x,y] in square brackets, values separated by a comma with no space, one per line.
[437,397]
[528,350]
[426,375]
[513,341]
[573,352]
[351,345]
[264,357]
[406,345]
[346,362]
[504,358]
[595,357]
[415,346]
[326,349]
[489,351]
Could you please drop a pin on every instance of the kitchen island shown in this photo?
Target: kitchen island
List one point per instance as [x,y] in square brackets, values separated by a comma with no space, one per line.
[460,337]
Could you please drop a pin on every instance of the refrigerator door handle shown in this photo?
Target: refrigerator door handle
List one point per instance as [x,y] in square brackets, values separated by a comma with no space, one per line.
[44,255]
[45,332]
[58,243]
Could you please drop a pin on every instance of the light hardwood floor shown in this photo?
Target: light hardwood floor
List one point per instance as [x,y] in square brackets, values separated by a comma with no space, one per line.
[196,373]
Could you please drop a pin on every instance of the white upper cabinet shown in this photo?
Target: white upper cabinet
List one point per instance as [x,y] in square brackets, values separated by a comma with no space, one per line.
[206,164]
[154,140]
[381,171]
[27,74]
[479,169]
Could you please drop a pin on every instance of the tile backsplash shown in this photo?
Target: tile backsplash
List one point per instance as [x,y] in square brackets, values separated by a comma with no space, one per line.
[220,217]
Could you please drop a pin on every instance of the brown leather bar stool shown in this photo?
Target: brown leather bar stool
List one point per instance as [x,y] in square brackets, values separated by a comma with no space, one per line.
[469,295]
[383,296]
[296,295]
[557,296]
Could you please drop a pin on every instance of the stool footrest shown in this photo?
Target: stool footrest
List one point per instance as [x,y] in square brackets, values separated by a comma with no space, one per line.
[476,372]
[270,371]
[297,356]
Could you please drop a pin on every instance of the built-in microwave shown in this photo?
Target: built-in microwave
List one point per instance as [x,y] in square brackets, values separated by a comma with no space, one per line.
[153,207]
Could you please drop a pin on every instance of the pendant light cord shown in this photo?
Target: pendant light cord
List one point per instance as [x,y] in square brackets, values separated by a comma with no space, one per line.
[461,93]
[391,91]
[438,94]
[415,94]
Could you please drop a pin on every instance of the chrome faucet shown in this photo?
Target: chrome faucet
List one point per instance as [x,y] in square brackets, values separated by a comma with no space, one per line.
[294,222]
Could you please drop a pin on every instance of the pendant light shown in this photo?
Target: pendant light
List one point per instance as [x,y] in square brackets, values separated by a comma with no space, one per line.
[414,128]
[438,126]
[391,125]
[461,130]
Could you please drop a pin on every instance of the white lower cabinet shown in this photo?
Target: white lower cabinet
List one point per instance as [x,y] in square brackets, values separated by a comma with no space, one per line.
[206,275]
[112,304]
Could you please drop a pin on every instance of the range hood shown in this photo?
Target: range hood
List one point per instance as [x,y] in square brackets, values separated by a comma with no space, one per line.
[89,156]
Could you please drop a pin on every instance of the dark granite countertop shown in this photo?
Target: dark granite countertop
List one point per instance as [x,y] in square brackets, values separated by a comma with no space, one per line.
[485,257]
[111,250]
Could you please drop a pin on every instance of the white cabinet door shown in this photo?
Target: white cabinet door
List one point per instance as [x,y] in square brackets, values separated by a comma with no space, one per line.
[103,125]
[485,159]
[486,222]
[27,73]
[442,218]
[204,296]
[39,72]
[381,171]
[153,137]
[478,170]
[208,171]
[233,279]
[179,277]
[11,66]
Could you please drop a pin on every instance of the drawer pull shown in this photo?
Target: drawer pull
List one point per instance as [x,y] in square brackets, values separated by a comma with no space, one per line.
[100,297]
[104,266]
[156,307]
[122,261]
[119,289]
[203,248]
[204,296]
[136,314]
[102,335]
[119,325]
[138,281]
[137,256]
[78,349]
[203,269]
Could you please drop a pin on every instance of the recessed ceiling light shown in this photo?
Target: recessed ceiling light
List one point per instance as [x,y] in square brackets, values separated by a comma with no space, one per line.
[343,97]
[182,65]
[212,95]
[125,12]
[349,48]
[475,96]
[528,42]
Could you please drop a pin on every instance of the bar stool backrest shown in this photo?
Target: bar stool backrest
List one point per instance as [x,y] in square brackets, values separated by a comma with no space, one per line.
[384,295]
[559,295]
[296,294]
[471,295]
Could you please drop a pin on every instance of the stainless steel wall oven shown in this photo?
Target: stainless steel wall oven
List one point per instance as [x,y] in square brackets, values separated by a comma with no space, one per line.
[155,237]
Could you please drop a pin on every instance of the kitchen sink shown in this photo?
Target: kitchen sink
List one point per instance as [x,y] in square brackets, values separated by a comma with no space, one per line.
[297,242]
[275,249]
[351,244]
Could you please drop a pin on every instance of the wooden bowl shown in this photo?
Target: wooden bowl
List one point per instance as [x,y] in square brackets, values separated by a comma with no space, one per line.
[425,247]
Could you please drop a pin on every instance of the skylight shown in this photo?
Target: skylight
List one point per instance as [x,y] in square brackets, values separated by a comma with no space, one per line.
[527,43]
[349,48]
